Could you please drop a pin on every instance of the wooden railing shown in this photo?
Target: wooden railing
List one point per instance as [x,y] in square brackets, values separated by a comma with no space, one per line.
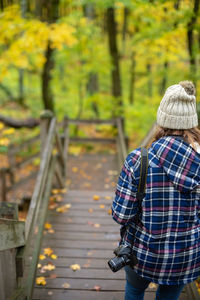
[19,237]
[8,174]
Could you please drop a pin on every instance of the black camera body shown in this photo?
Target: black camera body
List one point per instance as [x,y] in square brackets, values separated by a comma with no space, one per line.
[124,256]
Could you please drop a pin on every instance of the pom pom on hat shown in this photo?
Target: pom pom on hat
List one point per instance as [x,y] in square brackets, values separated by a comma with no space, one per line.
[177,108]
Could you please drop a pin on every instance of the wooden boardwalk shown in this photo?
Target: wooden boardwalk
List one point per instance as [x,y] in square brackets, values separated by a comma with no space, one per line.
[85,235]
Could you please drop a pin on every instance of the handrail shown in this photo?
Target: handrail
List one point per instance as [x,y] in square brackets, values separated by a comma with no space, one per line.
[50,165]
[121,144]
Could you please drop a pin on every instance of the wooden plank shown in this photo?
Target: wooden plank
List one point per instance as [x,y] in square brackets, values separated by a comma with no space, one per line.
[85,253]
[82,213]
[63,219]
[60,150]
[12,234]
[86,284]
[82,194]
[86,236]
[90,227]
[59,243]
[64,294]
[84,273]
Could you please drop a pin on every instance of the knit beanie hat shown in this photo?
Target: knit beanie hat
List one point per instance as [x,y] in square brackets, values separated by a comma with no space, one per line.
[177,108]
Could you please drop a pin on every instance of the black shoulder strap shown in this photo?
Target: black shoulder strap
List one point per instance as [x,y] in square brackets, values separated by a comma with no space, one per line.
[143,175]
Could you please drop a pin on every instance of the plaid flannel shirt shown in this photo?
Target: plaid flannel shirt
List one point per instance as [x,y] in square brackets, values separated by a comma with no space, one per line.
[167,241]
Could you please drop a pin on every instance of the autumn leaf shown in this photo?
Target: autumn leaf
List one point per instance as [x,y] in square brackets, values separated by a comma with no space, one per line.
[48,251]
[90,210]
[102,206]
[74,169]
[54,256]
[96,225]
[110,211]
[47,225]
[39,266]
[40,281]
[50,293]
[96,197]
[51,231]
[108,197]
[49,267]
[42,257]
[97,288]
[75,267]
[66,285]
[63,208]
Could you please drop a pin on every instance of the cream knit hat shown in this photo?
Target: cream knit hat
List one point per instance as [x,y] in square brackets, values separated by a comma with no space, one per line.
[177,108]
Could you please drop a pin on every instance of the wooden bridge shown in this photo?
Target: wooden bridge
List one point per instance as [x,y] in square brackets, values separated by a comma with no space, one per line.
[81,235]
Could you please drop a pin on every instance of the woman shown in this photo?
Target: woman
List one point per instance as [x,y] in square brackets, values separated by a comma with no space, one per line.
[167,240]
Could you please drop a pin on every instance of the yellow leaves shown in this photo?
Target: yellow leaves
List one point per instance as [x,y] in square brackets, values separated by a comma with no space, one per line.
[4,141]
[47,225]
[61,34]
[49,267]
[57,191]
[97,225]
[40,281]
[74,169]
[53,256]
[90,210]
[42,257]
[75,267]
[48,251]
[1,125]
[96,197]
[108,197]
[63,208]
[109,211]
[102,206]
[8,131]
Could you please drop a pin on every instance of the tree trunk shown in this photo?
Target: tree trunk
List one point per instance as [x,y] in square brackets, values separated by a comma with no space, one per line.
[112,38]
[92,84]
[149,83]
[124,30]
[46,78]
[163,84]
[132,79]
[191,41]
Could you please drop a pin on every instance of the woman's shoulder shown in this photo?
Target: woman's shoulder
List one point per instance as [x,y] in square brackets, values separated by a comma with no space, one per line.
[133,159]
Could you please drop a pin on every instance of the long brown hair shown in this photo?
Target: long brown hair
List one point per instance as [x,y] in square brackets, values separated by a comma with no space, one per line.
[190,135]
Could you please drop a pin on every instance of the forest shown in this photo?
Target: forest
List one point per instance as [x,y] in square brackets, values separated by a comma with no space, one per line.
[95,59]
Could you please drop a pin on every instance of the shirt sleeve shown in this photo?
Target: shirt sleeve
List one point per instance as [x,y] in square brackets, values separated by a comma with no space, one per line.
[125,206]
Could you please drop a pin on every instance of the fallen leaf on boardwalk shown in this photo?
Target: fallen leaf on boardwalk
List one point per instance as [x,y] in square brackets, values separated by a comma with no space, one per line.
[152,285]
[50,293]
[42,270]
[86,265]
[106,186]
[48,251]
[90,253]
[97,225]
[51,231]
[55,191]
[107,180]
[113,184]
[40,281]
[39,266]
[75,267]
[98,166]
[53,276]
[47,226]
[96,197]
[87,184]
[41,257]
[49,267]
[66,285]
[97,288]
[54,256]
[108,197]
[90,210]
[74,169]
[110,211]
[63,191]
[53,205]
[63,208]
[59,198]
[102,206]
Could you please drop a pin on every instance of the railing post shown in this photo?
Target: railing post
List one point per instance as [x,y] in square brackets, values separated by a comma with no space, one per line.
[3,184]
[45,118]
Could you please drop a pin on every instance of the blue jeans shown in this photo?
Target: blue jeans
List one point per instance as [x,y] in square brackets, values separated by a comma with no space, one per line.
[136,286]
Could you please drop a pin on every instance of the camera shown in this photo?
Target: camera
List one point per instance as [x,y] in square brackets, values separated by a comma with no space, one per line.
[124,256]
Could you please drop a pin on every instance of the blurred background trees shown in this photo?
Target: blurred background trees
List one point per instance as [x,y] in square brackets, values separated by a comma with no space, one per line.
[96,58]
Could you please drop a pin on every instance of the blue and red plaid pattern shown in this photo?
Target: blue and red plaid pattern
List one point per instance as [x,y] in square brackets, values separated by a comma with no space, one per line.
[167,241]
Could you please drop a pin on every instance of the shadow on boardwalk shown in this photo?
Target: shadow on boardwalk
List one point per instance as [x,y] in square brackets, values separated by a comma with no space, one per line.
[85,235]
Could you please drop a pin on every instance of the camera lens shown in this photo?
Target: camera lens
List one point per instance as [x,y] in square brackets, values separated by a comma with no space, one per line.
[116,263]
